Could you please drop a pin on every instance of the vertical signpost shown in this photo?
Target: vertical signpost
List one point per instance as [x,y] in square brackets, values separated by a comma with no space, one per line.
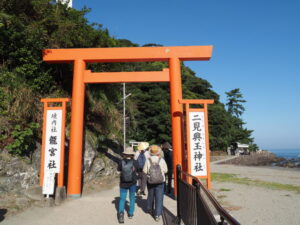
[198,160]
[52,159]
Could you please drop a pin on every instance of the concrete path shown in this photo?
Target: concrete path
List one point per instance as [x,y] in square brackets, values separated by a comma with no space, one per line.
[91,209]
[248,204]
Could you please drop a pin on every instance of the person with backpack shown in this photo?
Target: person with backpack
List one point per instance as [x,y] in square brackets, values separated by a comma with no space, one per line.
[128,178]
[140,156]
[155,168]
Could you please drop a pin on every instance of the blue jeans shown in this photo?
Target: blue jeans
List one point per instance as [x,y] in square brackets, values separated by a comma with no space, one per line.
[123,195]
[155,191]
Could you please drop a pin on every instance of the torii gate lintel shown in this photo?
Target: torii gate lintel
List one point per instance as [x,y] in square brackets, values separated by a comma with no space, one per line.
[126,77]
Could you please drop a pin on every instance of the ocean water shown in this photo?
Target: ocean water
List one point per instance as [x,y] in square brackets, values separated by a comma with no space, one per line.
[286,153]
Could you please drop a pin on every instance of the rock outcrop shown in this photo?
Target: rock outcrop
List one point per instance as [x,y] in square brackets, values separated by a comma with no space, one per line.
[18,175]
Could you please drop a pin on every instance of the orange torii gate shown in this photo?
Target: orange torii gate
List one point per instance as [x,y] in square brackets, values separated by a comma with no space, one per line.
[81,76]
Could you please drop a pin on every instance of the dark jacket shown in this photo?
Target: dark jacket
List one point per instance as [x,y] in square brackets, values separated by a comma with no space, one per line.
[128,184]
[168,154]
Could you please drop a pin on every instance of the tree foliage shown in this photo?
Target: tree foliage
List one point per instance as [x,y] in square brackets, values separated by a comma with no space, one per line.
[235,102]
[28,26]
[235,108]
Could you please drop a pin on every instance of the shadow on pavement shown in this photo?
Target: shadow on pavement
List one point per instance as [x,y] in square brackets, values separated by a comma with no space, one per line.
[2,213]
[170,195]
[168,217]
[142,203]
[116,202]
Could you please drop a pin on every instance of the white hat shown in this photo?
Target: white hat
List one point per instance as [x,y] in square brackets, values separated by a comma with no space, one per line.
[143,146]
[129,151]
[154,150]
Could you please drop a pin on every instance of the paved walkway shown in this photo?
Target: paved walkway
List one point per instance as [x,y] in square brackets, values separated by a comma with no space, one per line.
[91,209]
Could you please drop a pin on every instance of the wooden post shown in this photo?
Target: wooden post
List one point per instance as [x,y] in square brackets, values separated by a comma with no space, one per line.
[207,147]
[43,145]
[60,182]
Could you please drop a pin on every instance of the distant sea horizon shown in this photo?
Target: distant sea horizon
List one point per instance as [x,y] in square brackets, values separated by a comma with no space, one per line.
[286,153]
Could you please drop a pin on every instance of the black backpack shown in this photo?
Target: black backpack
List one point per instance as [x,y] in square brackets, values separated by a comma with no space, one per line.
[155,175]
[127,172]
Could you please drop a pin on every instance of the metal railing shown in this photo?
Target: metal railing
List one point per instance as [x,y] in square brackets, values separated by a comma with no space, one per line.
[193,208]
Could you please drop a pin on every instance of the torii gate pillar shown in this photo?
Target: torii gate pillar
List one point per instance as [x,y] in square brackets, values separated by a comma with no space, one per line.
[76,131]
[176,114]
[173,55]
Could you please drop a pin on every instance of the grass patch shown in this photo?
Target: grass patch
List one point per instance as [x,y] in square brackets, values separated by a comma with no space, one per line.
[233,178]
[225,189]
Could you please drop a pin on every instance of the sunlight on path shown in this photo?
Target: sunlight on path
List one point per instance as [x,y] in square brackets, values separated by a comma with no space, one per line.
[97,208]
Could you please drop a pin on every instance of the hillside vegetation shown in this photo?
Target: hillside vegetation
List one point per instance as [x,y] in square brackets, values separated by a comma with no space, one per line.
[29,26]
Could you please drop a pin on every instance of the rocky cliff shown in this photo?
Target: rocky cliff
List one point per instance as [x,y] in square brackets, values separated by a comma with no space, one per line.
[18,175]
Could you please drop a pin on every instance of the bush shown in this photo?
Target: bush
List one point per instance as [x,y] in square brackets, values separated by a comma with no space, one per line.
[23,140]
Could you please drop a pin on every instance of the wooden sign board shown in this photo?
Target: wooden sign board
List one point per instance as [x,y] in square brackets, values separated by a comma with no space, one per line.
[197,144]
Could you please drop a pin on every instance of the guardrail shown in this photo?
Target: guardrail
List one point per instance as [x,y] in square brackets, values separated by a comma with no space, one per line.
[193,208]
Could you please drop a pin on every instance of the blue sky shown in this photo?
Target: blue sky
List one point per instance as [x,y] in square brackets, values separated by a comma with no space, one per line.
[256,48]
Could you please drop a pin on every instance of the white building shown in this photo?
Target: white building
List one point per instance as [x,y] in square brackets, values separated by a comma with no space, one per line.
[134,144]
[238,149]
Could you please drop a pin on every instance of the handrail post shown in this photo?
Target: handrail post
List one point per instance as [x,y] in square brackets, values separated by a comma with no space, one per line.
[198,196]
[178,176]
[201,203]
[222,220]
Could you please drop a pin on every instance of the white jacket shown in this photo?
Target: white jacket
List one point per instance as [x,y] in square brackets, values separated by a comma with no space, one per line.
[154,159]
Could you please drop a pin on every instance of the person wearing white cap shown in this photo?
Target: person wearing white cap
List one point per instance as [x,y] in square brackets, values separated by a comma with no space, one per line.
[155,168]
[128,178]
[140,156]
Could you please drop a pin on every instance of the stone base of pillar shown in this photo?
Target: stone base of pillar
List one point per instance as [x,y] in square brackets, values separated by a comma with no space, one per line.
[49,202]
[60,195]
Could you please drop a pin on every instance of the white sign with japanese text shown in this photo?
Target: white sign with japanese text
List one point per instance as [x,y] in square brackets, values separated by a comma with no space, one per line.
[48,184]
[52,149]
[197,144]
[53,140]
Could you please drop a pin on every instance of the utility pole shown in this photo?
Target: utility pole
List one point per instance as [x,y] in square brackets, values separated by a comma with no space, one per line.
[124,115]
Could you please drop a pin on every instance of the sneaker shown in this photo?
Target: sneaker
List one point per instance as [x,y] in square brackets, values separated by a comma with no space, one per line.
[121,217]
[130,216]
[157,218]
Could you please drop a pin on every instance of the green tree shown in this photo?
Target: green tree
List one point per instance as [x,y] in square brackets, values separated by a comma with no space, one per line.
[235,102]
[253,147]
[29,26]
[235,108]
